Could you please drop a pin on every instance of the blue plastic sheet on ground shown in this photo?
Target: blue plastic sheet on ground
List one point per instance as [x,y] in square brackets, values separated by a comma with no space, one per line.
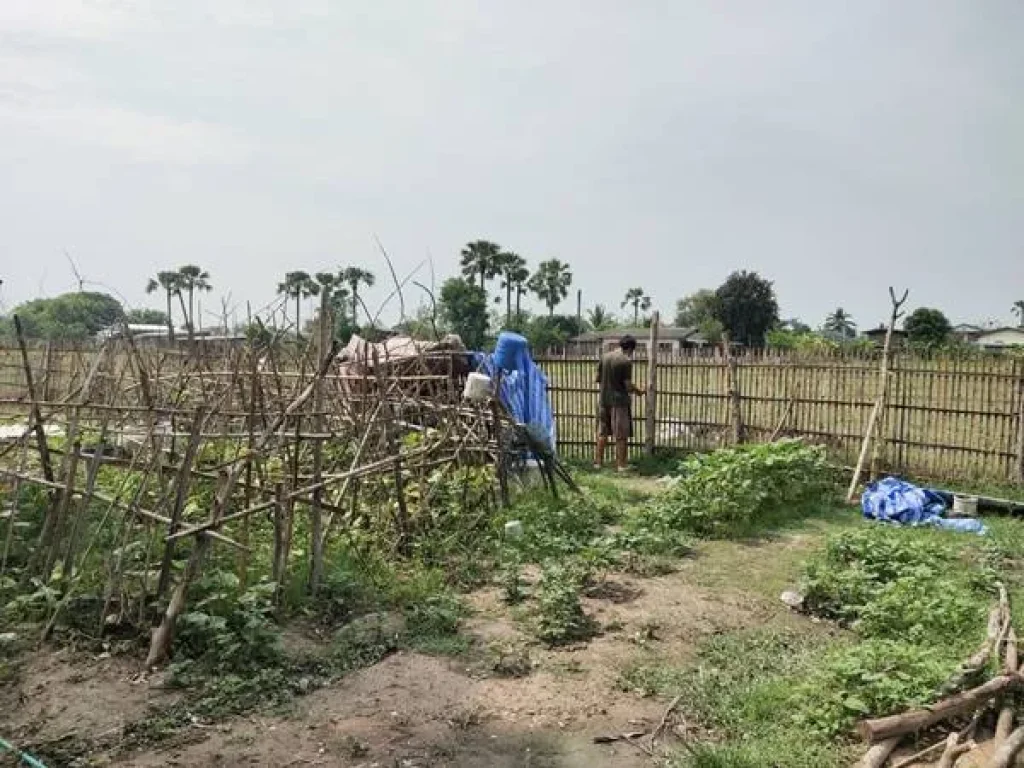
[897,501]
[524,392]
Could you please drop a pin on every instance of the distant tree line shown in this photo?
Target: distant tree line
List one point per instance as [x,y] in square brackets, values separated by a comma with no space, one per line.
[744,308]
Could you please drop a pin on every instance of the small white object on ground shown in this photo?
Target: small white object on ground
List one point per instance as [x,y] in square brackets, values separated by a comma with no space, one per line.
[793,599]
[513,529]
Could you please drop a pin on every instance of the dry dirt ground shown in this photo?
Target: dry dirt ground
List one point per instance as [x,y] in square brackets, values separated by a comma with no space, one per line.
[416,710]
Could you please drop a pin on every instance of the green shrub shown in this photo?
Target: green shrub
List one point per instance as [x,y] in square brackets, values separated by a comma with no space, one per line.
[872,678]
[560,618]
[228,631]
[733,490]
[915,584]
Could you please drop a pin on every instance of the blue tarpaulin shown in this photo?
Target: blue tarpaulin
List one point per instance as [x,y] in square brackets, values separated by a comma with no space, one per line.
[896,501]
[524,392]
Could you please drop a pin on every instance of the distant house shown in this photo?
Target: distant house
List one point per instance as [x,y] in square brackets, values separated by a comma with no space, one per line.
[671,340]
[967,332]
[877,335]
[156,335]
[1000,338]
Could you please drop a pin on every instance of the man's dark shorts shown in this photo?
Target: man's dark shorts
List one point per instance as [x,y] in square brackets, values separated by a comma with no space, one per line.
[616,421]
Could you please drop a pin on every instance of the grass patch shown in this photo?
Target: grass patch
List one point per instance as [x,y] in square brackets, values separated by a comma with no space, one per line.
[913,602]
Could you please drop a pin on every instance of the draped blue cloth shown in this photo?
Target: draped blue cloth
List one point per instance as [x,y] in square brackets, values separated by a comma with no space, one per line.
[897,501]
[524,392]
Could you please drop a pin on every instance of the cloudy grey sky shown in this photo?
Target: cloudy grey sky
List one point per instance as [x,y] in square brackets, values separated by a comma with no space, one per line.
[835,147]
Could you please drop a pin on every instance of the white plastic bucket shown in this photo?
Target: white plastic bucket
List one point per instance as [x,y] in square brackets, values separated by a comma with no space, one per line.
[478,387]
[965,506]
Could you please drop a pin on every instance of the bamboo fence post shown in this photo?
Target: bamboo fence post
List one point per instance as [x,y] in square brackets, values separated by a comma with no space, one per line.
[181,488]
[316,507]
[651,406]
[735,406]
[501,464]
[37,416]
[883,381]
[1020,423]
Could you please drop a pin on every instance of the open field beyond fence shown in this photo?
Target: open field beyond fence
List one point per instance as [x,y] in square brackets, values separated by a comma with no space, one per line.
[943,417]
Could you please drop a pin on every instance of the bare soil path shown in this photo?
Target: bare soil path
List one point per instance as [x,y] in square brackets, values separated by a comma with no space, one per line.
[509,702]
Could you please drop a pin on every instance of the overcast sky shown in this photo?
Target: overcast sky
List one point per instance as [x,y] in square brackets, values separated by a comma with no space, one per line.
[834,147]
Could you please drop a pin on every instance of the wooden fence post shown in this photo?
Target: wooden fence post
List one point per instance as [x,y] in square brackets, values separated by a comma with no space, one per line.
[652,387]
[1020,423]
[735,406]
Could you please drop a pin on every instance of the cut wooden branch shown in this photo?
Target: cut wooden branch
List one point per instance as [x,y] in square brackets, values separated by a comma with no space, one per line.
[883,384]
[182,485]
[954,749]
[1006,754]
[914,721]
[878,754]
[1004,722]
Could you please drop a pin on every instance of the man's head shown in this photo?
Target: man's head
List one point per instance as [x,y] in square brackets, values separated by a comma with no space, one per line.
[627,344]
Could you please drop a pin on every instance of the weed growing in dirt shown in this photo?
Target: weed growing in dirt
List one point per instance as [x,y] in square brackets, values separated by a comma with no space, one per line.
[915,600]
[738,491]
[919,586]
[740,688]
[560,616]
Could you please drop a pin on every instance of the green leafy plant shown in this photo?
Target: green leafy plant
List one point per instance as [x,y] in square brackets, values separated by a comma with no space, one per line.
[873,678]
[560,616]
[733,490]
[227,630]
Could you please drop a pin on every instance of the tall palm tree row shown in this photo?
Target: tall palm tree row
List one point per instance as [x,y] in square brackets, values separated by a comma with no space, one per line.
[169,283]
[355,277]
[190,280]
[1018,310]
[639,300]
[481,260]
[298,285]
[514,276]
[550,283]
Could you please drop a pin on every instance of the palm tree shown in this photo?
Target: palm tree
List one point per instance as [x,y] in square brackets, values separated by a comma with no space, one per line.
[514,275]
[481,258]
[354,277]
[600,318]
[636,298]
[332,286]
[170,284]
[191,279]
[841,324]
[298,285]
[551,283]
[1018,310]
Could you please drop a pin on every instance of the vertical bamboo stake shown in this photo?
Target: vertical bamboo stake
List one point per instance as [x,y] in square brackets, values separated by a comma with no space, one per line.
[883,380]
[651,413]
[501,464]
[47,375]
[12,520]
[315,508]
[181,489]
[37,416]
[735,407]
[160,644]
[1020,425]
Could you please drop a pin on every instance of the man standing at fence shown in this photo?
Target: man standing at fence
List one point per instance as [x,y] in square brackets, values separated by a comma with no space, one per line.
[615,417]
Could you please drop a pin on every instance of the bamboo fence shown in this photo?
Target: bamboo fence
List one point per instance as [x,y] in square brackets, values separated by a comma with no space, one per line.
[165,451]
[943,417]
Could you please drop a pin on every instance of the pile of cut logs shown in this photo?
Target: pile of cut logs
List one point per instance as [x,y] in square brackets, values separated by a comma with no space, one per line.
[983,713]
